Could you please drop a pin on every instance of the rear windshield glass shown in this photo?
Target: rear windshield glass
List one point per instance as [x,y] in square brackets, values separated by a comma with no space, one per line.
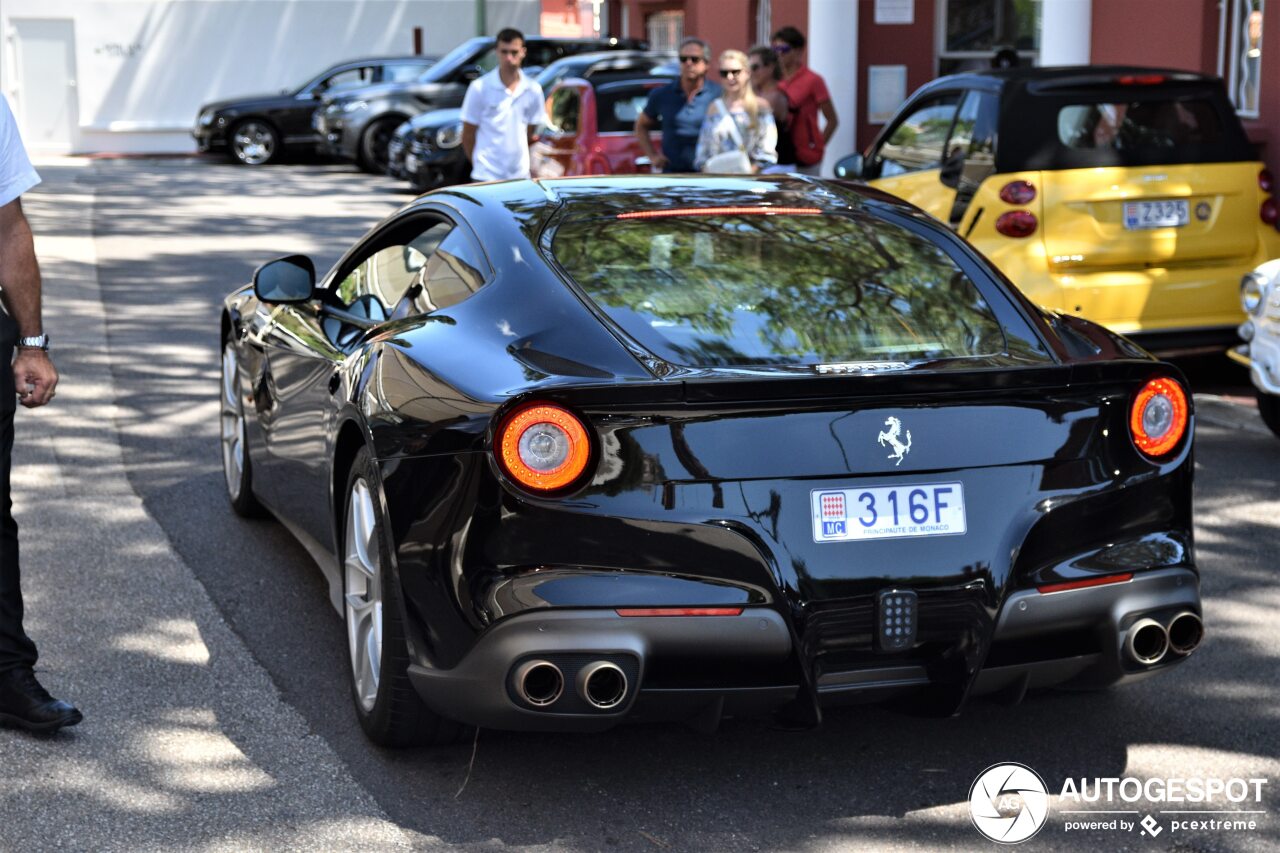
[618,109]
[712,291]
[1125,125]
[1106,127]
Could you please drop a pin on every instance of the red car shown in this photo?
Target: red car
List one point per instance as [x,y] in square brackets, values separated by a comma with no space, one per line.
[591,128]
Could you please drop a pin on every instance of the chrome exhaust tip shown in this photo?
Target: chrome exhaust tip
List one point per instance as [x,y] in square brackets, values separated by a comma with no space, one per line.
[602,684]
[1147,641]
[1185,633]
[539,682]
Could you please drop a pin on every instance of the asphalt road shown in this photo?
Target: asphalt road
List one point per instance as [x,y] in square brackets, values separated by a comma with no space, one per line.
[173,236]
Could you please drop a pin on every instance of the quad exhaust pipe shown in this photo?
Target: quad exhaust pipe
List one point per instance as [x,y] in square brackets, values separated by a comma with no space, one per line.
[539,682]
[1148,641]
[602,684]
[1185,633]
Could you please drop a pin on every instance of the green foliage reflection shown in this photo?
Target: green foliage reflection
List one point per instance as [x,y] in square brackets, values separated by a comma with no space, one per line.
[754,290]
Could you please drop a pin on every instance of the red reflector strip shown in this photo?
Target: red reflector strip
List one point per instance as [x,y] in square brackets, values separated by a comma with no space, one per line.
[721,211]
[679,611]
[1140,79]
[1087,582]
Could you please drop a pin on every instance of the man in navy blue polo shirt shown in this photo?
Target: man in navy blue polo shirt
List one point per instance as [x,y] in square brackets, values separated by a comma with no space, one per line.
[680,106]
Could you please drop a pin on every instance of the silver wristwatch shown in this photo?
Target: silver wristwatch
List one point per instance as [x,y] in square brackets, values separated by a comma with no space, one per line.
[40,341]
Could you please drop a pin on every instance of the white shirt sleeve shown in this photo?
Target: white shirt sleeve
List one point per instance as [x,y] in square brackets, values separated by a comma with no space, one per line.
[473,103]
[16,173]
[536,111]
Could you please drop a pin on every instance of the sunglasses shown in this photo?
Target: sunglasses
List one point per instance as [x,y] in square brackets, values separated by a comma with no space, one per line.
[782,48]
[730,72]
[510,52]
[684,59]
[755,66]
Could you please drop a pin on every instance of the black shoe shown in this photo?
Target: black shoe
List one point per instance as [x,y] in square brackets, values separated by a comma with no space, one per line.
[27,705]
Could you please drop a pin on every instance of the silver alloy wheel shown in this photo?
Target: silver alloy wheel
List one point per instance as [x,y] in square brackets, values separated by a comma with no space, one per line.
[254,143]
[233,429]
[362,566]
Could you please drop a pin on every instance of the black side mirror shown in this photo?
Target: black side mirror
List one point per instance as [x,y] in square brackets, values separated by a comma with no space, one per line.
[952,169]
[850,167]
[469,73]
[285,280]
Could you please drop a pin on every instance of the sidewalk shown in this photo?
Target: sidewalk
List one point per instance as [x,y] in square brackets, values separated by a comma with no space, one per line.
[186,744]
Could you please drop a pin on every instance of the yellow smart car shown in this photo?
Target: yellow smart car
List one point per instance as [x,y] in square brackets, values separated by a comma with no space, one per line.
[1130,196]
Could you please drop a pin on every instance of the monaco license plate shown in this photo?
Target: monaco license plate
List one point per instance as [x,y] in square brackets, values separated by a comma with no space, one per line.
[1140,215]
[888,512]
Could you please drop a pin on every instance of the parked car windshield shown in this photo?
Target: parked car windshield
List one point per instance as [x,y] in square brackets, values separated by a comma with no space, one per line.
[454,58]
[712,290]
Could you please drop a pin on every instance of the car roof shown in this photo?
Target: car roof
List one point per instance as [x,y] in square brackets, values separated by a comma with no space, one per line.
[639,81]
[1055,76]
[410,57]
[610,195]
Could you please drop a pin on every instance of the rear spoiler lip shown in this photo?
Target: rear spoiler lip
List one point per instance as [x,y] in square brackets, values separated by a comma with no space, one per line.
[653,397]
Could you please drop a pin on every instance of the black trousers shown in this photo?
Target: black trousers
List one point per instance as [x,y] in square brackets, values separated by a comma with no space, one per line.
[16,648]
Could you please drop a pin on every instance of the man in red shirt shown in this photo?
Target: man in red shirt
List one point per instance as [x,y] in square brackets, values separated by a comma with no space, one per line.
[807,94]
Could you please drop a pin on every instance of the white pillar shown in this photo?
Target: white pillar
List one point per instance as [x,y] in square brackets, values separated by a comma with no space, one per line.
[833,52]
[1064,32]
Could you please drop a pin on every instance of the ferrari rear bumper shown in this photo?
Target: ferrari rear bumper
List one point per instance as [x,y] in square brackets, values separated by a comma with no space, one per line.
[484,689]
[705,667]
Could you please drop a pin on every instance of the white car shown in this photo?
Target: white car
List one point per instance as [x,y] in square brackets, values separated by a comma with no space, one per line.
[1260,294]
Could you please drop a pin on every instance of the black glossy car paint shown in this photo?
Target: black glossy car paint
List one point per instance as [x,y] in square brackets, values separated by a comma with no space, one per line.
[700,493]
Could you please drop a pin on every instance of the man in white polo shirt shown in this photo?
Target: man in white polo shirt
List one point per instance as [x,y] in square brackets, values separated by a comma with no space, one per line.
[499,113]
[27,377]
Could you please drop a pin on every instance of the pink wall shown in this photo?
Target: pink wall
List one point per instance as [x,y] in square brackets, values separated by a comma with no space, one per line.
[1165,33]
[725,23]
[1184,34]
[911,45]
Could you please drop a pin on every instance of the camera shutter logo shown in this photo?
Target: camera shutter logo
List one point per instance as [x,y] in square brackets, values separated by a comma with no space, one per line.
[1009,803]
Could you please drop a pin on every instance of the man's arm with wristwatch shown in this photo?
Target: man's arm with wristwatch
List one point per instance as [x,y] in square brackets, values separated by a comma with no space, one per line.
[33,372]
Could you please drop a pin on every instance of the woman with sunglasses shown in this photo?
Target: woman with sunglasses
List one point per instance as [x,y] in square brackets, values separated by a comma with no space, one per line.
[765,75]
[739,134]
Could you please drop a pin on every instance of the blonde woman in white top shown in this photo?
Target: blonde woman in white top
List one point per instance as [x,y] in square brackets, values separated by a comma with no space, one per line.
[740,121]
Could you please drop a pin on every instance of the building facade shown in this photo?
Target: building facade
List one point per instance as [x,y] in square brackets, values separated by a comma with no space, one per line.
[130,75]
[874,53]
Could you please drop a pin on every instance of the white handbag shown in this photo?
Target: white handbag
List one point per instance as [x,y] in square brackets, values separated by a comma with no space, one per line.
[734,162]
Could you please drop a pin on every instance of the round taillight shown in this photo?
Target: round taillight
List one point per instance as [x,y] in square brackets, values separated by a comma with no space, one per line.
[1265,182]
[543,447]
[1158,419]
[1017,223]
[1018,192]
[1270,212]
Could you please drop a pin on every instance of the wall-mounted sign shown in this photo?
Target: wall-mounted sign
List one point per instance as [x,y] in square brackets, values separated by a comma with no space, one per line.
[119,51]
[886,90]
[895,11]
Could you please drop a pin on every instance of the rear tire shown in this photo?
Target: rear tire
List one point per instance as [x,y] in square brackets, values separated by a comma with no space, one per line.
[372,155]
[1269,408]
[386,703]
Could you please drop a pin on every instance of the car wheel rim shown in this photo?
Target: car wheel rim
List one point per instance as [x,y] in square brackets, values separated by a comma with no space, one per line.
[233,430]
[363,594]
[254,143]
